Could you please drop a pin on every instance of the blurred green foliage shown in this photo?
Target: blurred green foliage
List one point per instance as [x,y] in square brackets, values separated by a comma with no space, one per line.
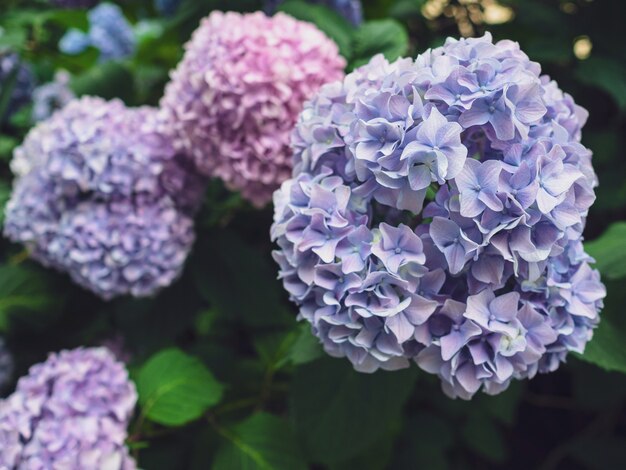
[257,390]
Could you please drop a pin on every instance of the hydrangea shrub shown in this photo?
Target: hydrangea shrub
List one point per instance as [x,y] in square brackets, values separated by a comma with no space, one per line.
[71,412]
[235,96]
[485,280]
[101,194]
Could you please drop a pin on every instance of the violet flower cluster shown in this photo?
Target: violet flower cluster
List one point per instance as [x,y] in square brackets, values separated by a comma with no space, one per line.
[18,78]
[489,281]
[352,10]
[101,194]
[235,97]
[69,412]
[109,32]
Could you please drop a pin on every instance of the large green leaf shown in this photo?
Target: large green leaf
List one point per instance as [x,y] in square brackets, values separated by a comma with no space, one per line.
[606,349]
[607,74]
[334,25]
[387,37]
[481,434]
[262,441]
[238,282]
[175,388]
[108,80]
[338,412]
[306,347]
[609,251]
[24,290]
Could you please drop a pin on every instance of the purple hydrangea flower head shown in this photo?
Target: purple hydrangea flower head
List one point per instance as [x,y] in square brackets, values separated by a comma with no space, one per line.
[6,365]
[17,79]
[51,96]
[235,96]
[485,283]
[109,32]
[101,194]
[352,10]
[70,411]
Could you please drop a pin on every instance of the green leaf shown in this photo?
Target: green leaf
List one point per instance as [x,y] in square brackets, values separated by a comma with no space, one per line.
[7,144]
[5,194]
[387,37]
[306,347]
[330,22]
[502,407]
[609,251]
[338,412]
[482,435]
[108,80]
[431,438]
[175,388]
[606,348]
[239,284]
[606,74]
[24,290]
[262,441]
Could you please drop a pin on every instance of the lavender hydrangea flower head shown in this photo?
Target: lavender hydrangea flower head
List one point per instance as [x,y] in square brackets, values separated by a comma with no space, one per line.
[352,10]
[101,194]
[235,96]
[109,32]
[19,78]
[481,284]
[70,411]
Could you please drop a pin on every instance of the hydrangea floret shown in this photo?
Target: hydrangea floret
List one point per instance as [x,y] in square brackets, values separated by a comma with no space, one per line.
[235,96]
[435,216]
[70,412]
[101,194]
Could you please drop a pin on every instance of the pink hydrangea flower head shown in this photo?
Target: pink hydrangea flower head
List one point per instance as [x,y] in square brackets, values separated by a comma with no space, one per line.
[235,97]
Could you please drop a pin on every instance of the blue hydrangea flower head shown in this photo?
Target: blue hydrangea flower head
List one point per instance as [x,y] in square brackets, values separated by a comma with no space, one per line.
[352,10]
[109,32]
[485,283]
[70,411]
[16,78]
[101,194]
